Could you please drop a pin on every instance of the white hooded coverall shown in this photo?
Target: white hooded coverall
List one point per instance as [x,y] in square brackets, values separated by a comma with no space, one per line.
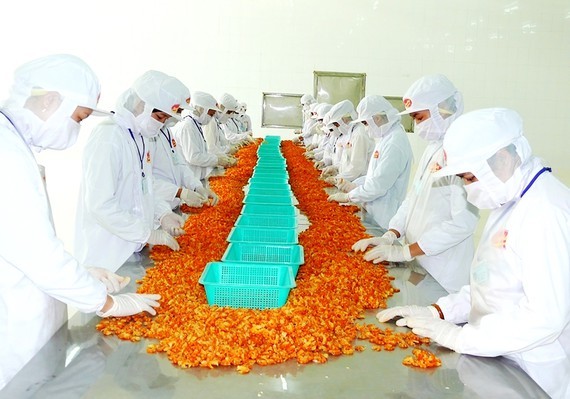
[517,302]
[383,188]
[38,278]
[117,209]
[437,216]
[171,171]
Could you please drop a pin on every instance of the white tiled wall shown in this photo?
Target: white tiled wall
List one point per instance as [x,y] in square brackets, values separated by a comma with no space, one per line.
[498,52]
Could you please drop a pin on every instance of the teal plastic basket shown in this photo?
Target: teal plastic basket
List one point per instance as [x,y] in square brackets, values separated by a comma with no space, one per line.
[271,174]
[269,167]
[263,235]
[247,285]
[266,209]
[270,162]
[264,253]
[270,186]
[271,221]
[272,138]
[268,199]
[268,179]
[278,192]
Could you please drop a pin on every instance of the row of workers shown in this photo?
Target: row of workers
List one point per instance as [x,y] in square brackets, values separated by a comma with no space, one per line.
[155,152]
[510,296]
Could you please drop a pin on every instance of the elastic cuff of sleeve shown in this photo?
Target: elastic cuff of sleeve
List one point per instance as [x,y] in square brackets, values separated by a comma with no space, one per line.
[436,311]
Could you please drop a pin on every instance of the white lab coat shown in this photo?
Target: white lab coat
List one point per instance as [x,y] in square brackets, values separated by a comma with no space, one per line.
[232,132]
[518,300]
[117,210]
[383,188]
[338,148]
[308,131]
[356,154]
[190,137]
[37,276]
[170,169]
[437,216]
[215,138]
[246,126]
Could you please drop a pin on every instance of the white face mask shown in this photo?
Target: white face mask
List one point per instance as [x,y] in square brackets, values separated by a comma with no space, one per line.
[203,119]
[222,118]
[170,122]
[149,126]
[58,132]
[377,132]
[335,131]
[480,196]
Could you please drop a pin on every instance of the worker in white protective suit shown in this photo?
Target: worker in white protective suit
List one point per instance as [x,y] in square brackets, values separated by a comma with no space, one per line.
[50,97]
[174,181]
[435,223]
[355,157]
[216,139]
[228,106]
[340,118]
[244,118]
[118,211]
[321,134]
[189,135]
[383,188]
[306,101]
[517,302]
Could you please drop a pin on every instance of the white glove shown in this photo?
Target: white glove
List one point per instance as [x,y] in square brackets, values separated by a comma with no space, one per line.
[130,304]
[161,237]
[387,239]
[223,160]
[339,197]
[407,311]
[112,281]
[346,186]
[213,196]
[320,164]
[332,180]
[441,331]
[173,224]
[192,198]
[329,171]
[390,253]
[309,154]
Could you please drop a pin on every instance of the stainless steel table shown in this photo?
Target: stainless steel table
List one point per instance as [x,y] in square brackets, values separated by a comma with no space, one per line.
[79,362]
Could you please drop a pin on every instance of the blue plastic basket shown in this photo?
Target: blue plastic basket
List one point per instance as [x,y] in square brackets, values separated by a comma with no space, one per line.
[268,199]
[263,235]
[271,221]
[247,285]
[266,209]
[264,253]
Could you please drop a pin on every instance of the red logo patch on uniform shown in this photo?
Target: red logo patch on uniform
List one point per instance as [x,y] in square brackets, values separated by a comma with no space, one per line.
[407,102]
[376,154]
[148,157]
[174,143]
[500,239]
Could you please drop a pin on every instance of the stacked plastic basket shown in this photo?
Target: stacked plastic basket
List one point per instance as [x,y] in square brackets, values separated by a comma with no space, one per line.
[261,262]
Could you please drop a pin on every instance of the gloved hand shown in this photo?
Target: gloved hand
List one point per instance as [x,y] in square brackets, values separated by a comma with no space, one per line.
[192,198]
[346,185]
[251,139]
[320,164]
[173,224]
[387,239]
[223,160]
[309,154]
[339,197]
[390,253]
[329,171]
[233,160]
[407,311]
[130,304]
[441,331]
[161,237]
[332,180]
[213,196]
[113,282]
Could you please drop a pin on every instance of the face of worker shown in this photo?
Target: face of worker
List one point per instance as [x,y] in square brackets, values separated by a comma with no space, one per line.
[81,113]
[160,116]
[211,112]
[420,116]
[467,178]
